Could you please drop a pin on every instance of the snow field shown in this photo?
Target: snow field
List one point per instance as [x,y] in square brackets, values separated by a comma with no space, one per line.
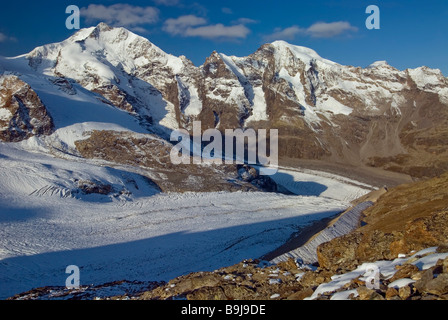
[145,235]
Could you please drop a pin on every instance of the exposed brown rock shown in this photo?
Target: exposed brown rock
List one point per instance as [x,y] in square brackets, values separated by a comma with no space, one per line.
[405,271]
[117,97]
[25,115]
[391,294]
[445,265]
[368,294]
[426,277]
[249,280]
[405,292]
[150,153]
[207,293]
[300,295]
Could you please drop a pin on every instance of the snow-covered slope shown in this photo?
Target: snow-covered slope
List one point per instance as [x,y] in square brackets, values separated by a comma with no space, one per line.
[128,70]
[35,173]
[115,224]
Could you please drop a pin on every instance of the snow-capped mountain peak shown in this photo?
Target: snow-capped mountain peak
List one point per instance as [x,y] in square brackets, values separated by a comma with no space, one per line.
[111,47]
[305,54]
[128,70]
[379,64]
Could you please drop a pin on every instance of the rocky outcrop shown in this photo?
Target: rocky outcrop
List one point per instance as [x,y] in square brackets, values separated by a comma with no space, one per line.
[22,113]
[94,187]
[126,148]
[152,156]
[89,292]
[408,282]
[248,280]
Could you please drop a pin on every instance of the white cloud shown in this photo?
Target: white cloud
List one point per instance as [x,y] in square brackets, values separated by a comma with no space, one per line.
[285,34]
[245,21]
[167,2]
[329,30]
[4,38]
[219,31]
[122,15]
[316,30]
[227,10]
[179,25]
[193,26]
[139,29]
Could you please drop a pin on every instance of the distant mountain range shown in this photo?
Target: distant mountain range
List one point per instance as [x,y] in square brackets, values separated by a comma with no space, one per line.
[108,82]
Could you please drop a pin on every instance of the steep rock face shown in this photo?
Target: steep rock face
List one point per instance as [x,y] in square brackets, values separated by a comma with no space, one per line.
[22,113]
[378,116]
[224,101]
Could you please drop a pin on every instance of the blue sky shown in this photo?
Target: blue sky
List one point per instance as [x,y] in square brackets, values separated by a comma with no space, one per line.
[412,34]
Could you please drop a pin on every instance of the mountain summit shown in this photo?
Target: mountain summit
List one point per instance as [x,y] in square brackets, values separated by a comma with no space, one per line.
[376,116]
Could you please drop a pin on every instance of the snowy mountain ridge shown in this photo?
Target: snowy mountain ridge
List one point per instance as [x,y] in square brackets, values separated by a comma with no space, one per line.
[311,100]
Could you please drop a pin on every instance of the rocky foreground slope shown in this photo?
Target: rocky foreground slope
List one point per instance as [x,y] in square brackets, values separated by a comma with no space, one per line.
[405,220]
[409,217]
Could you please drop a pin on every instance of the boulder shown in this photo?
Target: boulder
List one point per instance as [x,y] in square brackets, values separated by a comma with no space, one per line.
[391,293]
[420,285]
[302,294]
[405,292]
[437,286]
[405,271]
[368,294]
